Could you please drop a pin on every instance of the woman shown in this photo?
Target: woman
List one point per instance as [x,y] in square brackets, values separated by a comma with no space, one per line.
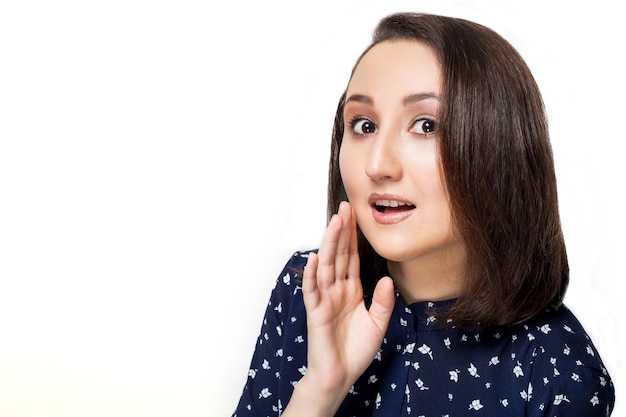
[438,286]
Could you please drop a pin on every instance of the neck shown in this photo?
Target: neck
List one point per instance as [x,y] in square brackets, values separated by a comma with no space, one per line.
[433,277]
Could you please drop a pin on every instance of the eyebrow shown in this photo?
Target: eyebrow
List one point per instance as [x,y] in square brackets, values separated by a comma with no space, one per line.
[360,98]
[410,99]
[413,98]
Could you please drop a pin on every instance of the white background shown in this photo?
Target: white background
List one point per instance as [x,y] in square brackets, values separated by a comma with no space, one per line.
[161,160]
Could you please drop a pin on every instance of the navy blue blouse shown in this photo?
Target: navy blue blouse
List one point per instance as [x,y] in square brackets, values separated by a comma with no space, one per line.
[545,367]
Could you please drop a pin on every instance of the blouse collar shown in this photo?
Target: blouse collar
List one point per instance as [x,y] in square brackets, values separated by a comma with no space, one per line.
[421,315]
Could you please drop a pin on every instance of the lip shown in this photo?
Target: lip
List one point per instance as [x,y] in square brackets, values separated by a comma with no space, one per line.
[390,217]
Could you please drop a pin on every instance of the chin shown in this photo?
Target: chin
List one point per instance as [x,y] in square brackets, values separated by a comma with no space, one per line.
[392,253]
[401,250]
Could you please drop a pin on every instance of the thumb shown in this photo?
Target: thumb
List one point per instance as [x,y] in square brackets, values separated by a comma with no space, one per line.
[382,303]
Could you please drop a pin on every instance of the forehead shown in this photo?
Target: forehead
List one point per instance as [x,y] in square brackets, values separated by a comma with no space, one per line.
[397,65]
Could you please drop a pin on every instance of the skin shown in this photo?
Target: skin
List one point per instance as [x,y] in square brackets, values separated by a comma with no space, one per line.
[389,151]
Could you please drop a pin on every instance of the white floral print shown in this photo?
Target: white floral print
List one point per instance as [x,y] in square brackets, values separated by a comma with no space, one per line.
[445,371]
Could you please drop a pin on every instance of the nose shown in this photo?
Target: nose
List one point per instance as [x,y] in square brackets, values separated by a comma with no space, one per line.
[383,162]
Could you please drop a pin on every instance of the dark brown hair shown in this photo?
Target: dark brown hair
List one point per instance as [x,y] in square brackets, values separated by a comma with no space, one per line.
[498,168]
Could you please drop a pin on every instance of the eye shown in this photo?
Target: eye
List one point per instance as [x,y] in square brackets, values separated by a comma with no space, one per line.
[362,126]
[424,126]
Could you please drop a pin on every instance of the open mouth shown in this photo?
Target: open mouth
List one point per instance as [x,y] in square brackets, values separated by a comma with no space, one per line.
[391,206]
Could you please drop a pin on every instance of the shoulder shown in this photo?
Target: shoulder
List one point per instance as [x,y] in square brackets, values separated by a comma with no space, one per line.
[297,261]
[559,333]
[288,286]
[291,275]
[566,369]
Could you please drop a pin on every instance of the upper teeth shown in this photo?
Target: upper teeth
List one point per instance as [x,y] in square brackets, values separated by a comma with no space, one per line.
[390,203]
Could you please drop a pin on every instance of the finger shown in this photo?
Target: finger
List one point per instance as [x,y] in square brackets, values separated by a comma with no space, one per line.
[382,303]
[354,264]
[342,254]
[326,253]
[310,291]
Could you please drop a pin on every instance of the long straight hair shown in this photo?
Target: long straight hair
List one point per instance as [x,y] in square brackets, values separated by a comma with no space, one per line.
[495,152]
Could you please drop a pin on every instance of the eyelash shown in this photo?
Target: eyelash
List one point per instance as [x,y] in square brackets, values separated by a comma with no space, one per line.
[433,122]
[355,120]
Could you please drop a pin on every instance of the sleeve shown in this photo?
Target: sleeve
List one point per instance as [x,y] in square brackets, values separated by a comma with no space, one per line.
[267,389]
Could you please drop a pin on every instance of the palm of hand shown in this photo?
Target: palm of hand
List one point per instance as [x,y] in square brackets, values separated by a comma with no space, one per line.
[343,336]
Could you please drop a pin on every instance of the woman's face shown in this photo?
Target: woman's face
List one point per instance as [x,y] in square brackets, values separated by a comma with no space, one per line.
[388,157]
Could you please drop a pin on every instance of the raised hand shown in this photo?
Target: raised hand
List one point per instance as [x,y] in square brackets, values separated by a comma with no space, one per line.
[343,336]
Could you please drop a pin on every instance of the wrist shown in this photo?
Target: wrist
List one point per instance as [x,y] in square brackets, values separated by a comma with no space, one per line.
[312,399]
